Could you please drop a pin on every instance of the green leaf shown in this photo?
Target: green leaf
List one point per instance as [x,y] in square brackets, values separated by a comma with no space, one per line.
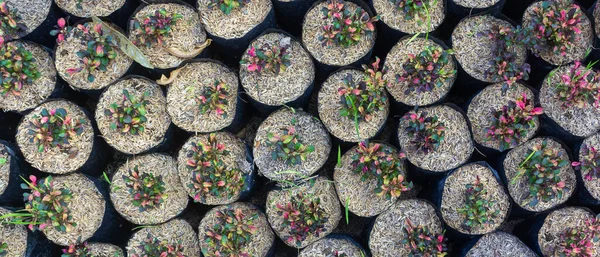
[125,44]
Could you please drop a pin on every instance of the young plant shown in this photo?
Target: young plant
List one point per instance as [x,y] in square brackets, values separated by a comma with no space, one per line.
[477,211]
[426,133]
[151,246]
[331,252]
[11,25]
[575,242]
[542,168]
[3,248]
[99,52]
[17,68]
[589,161]
[512,123]
[147,190]
[345,27]
[422,242]
[61,30]
[303,216]
[414,9]
[231,233]
[271,58]
[288,146]
[210,175]
[425,71]
[46,205]
[227,6]
[360,101]
[77,250]
[579,87]
[54,128]
[504,65]
[378,162]
[214,99]
[555,25]
[129,116]
[154,28]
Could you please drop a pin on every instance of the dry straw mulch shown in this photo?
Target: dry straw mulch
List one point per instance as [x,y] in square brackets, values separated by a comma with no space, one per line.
[276,90]
[57,160]
[66,58]
[479,4]
[192,80]
[236,159]
[175,232]
[580,122]
[89,8]
[86,207]
[155,127]
[395,18]
[592,186]
[310,132]
[35,93]
[320,188]
[105,250]
[260,242]
[4,168]
[330,104]
[489,101]
[15,236]
[387,232]
[519,191]
[474,51]
[328,246]
[454,150]
[558,221]
[312,29]
[186,35]
[394,61]
[582,42]
[596,16]
[500,244]
[454,197]
[357,195]
[175,196]
[32,12]
[237,23]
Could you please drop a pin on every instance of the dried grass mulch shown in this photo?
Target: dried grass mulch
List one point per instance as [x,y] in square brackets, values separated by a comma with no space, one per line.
[105,250]
[33,12]
[558,221]
[238,23]
[89,8]
[596,15]
[592,186]
[175,232]
[395,18]
[15,236]
[500,244]
[4,168]
[328,246]
[479,4]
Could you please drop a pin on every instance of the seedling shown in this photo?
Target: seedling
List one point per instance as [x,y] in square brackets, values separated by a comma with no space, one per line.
[152,246]
[579,241]
[425,71]
[345,27]
[413,9]
[3,248]
[589,161]
[45,205]
[226,6]
[210,175]
[512,123]
[231,233]
[214,99]
[53,129]
[61,30]
[11,23]
[426,133]
[18,68]
[154,28]
[578,88]
[269,57]
[147,191]
[303,216]
[422,242]
[478,210]
[77,250]
[129,116]
[360,101]
[288,146]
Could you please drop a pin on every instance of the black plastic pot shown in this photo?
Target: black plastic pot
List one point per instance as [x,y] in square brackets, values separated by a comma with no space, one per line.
[114,228]
[551,128]
[288,13]
[41,34]
[13,194]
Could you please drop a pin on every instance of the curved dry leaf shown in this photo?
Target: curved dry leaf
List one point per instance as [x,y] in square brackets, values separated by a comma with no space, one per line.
[163,81]
[189,54]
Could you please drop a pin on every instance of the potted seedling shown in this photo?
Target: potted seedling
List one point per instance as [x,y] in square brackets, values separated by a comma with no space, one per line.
[87,56]
[353,104]
[57,137]
[334,245]
[238,229]
[20,18]
[81,249]
[370,178]
[496,244]
[420,71]
[29,75]
[339,33]
[16,240]
[538,174]
[490,50]
[472,200]
[233,24]
[303,213]
[132,115]
[290,144]
[503,120]
[202,96]
[167,33]
[588,170]
[89,8]
[570,96]
[408,228]
[436,139]
[463,8]
[146,189]
[272,60]
[173,238]
[11,167]
[216,168]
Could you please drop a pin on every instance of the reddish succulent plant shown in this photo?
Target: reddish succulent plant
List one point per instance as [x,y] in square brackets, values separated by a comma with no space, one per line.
[129,116]
[54,128]
[274,58]
[231,233]
[147,191]
[477,210]
[214,99]
[288,146]
[46,205]
[425,71]
[77,250]
[579,87]
[17,68]
[414,9]
[152,246]
[153,29]
[426,133]
[422,242]
[226,6]
[303,216]
[11,25]
[589,161]
[360,101]
[579,241]
[345,27]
